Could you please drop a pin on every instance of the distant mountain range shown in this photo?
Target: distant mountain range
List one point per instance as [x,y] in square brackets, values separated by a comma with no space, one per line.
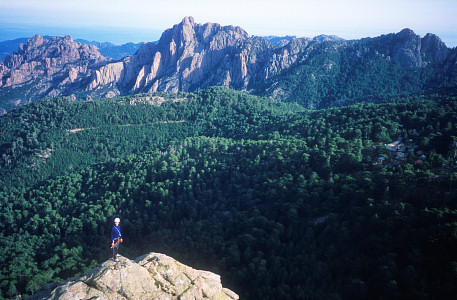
[113,51]
[320,72]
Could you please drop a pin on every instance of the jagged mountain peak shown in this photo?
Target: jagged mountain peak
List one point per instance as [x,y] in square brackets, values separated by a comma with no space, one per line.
[151,276]
[433,37]
[188,21]
[61,49]
[325,38]
[434,48]
[406,32]
[188,30]
[51,67]
[35,41]
[408,49]
[186,57]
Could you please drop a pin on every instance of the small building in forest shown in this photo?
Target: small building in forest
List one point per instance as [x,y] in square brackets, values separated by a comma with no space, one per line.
[396,146]
[392,146]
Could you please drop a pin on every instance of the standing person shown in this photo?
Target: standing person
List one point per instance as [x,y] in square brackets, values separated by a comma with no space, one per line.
[116,237]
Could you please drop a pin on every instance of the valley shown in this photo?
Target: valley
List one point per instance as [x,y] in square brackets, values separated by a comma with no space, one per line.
[278,200]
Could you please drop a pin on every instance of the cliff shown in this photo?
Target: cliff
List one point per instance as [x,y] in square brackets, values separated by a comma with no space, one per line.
[152,276]
[187,56]
[46,68]
[193,56]
[411,51]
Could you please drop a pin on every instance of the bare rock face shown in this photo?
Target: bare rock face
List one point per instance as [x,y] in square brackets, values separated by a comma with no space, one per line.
[411,51]
[45,67]
[152,276]
[295,50]
[406,49]
[187,56]
[47,57]
[433,48]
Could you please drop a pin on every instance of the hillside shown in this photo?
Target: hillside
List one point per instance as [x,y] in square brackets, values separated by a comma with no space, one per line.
[356,202]
[316,73]
[53,136]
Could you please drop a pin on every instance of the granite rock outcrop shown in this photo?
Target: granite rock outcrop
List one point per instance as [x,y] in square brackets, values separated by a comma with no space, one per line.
[48,68]
[151,276]
[187,56]
[410,50]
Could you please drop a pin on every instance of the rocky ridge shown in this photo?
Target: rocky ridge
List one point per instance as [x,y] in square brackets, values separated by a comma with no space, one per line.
[187,56]
[151,276]
[193,56]
[411,51]
[48,67]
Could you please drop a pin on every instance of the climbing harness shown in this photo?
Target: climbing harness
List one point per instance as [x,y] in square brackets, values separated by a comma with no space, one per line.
[116,264]
[115,248]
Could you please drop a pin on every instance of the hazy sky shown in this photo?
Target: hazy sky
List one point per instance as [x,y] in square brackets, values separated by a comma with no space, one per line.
[141,20]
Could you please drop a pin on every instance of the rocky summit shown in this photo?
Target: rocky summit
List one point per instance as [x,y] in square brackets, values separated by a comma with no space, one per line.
[151,276]
[46,68]
[187,56]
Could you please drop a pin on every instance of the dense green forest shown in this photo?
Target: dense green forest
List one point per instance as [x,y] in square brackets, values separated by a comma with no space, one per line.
[349,73]
[355,202]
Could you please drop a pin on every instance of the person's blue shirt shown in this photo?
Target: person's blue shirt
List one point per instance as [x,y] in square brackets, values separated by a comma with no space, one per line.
[115,233]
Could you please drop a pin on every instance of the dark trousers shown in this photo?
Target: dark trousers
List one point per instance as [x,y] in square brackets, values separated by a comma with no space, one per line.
[115,247]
